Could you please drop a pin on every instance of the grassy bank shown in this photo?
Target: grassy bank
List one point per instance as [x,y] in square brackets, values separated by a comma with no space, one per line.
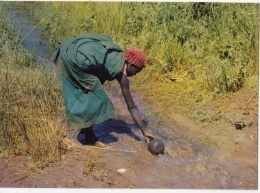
[196,52]
[31,98]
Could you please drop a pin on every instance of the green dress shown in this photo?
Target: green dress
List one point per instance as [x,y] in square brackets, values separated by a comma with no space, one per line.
[85,63]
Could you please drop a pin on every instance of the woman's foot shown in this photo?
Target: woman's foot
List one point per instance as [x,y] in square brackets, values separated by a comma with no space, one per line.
[74,142]
[100,144]
[91,138]
[72,138]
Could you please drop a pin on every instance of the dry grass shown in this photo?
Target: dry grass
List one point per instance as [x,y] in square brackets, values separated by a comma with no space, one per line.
[31,104]
[95,167]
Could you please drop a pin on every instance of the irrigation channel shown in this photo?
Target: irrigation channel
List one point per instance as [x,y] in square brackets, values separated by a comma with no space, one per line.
[189,164]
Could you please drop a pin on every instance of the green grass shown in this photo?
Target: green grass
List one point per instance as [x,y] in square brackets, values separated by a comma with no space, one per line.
[216,43]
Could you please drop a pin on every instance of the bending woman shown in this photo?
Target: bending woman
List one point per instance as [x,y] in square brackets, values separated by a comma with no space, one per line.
[85,63]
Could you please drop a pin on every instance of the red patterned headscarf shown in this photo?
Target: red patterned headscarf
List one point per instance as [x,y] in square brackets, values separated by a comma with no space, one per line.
[136,57]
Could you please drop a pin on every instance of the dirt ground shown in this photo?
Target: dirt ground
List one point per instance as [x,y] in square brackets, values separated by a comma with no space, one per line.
[235,129]
[188,163]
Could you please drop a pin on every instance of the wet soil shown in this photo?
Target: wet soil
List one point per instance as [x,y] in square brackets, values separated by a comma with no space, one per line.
[191,161]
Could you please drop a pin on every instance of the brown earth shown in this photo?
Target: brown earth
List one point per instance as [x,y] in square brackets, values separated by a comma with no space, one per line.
[205,157]
[241,108]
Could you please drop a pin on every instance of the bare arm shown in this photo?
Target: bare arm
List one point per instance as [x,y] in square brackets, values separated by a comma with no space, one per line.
[133,109]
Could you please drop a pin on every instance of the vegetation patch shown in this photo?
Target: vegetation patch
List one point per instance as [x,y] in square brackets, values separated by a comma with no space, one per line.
[31,103]
[194,51]
[95,167]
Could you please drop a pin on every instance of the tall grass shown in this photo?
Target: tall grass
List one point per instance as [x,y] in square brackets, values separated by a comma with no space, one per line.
[30,107]
[213,43]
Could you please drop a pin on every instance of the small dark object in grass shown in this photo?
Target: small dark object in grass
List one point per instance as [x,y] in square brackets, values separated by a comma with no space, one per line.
[156,146]
[239,125]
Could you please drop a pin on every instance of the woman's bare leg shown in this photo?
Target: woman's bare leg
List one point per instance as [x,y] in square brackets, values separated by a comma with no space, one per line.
[91,138]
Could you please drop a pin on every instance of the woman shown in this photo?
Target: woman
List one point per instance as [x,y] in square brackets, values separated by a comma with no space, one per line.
[85,63]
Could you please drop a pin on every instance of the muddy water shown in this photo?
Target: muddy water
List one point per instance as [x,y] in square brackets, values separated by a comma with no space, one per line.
[187,164]
[30,36]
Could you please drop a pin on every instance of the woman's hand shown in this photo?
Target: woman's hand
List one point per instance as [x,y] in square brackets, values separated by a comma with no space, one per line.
[148,137]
